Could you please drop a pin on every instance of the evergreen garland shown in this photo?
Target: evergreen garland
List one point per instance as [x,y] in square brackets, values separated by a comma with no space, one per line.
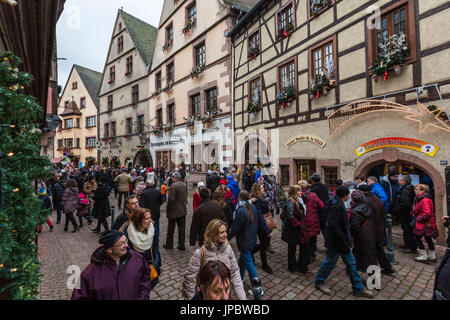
[21,212]
[147,160]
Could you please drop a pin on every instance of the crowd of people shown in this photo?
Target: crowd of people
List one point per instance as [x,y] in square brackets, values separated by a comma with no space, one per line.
[233,204]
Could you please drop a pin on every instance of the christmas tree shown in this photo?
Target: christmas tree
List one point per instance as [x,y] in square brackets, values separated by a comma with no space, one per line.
[21,164]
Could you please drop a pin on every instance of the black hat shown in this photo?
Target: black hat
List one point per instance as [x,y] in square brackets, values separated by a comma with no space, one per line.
[108,238]
[342,191]
[364,188]
[315,177]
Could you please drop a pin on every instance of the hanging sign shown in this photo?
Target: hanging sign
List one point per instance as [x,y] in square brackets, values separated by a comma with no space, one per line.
[397,142]
[308,138]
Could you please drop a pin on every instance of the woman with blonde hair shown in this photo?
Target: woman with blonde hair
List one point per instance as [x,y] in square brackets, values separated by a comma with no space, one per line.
[293,231]
[215,247]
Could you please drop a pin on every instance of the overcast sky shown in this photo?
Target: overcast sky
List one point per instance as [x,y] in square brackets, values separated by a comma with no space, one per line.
[85,27]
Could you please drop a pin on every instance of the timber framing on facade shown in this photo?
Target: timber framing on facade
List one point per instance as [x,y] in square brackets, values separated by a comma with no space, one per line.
[312,62]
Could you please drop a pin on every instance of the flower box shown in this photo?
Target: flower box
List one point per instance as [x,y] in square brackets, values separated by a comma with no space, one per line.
[317,6]
[168,45]
[392,55]
[284,32]
[324,82]
[253,108]
[253,53]
[285,96]
[209,116]
[188,26]
[196,71]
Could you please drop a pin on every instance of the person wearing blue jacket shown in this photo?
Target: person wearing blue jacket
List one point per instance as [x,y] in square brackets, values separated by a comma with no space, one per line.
[233,186]
[245,228]
[378,191]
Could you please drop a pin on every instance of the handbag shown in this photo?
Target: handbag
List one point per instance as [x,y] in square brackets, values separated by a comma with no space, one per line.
[270,221]
[153,272]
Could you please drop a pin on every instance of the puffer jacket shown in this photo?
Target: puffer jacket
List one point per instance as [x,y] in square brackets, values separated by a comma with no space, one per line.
[223,253]
[70,199]
[362,229]
[423,211]
[378,190]
[312,221]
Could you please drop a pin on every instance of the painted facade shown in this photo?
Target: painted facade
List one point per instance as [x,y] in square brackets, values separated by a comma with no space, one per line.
[341,32]
[77,134]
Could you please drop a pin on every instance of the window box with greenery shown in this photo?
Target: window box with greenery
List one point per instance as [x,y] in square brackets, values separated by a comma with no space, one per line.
[168,45]
[169,87]
[155,94]
[196,71]
[188,27]
[169,127]
[323,82]
[208,118]
[318,6]
[157,130]
[285,96]
[392,54]
[284,32]
[190,122]
[253,52]
[254,105]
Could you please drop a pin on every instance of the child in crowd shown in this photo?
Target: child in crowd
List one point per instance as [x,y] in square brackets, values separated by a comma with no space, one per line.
[46,204]
[164,191]
[83,207]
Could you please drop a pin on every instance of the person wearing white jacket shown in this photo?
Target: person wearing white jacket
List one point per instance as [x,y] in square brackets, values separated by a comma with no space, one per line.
[215,248]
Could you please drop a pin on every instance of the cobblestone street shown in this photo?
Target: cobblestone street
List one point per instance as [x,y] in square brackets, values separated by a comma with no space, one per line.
[59,249]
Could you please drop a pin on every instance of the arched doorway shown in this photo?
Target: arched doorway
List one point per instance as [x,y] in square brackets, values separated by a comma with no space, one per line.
[395,156]
[143,158]
[255,150]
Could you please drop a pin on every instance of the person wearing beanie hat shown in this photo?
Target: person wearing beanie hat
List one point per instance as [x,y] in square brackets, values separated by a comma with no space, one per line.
[338,244]
[46,204]
[391,186]
[227,193]
[212,182]
[115,272]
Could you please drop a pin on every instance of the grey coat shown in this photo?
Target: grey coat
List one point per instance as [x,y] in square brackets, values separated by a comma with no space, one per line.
[70,199]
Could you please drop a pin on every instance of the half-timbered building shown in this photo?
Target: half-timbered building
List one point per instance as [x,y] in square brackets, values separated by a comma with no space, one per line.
[345,88]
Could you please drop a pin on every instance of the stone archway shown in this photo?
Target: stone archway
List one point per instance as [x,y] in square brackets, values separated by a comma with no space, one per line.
[393,155]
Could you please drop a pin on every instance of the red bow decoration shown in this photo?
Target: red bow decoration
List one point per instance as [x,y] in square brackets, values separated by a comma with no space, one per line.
[254,55]
[285,34]
[385,75]
[282,105]
[317,94]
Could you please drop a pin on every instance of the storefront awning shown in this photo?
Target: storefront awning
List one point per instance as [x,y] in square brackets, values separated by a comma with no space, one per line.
[57,160]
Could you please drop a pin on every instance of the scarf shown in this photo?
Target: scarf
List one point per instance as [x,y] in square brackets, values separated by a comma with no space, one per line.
[141,241]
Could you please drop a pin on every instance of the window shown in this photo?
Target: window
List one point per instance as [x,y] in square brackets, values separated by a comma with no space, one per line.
[255,91]
[396,19]
[106,130]
[135,94]
[317,7]
[113,128]
[60,143]
[287,75]
[120,44]
[195,101]
[159,117]
[74,85]
[200,55]
[192,13]
[68,143]
[129,127]
[90,142]
[120,26]
[171,113]
[323,60]
[140,124]
[129,66]
[110,102]
[169,33]
[83,102]
[254,42]
[112,74]
[286,18]
[77,143]
[68,123]
[330,177]
[305,168]
[211,99]
[66,104]
[284,175]
[158,81]
[90,122]
[170,73]
[78,123]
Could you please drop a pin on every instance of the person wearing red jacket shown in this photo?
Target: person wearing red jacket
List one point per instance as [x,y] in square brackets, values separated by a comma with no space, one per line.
[312,221]
[425,223]
[197,200]
[228,194]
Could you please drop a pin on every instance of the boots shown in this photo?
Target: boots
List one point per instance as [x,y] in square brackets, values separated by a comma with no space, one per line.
[431,255]
[257,289]
[422,257]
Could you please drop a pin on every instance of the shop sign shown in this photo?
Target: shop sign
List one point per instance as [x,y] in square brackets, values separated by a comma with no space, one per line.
[397,142]
[167,143]
[306,138]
